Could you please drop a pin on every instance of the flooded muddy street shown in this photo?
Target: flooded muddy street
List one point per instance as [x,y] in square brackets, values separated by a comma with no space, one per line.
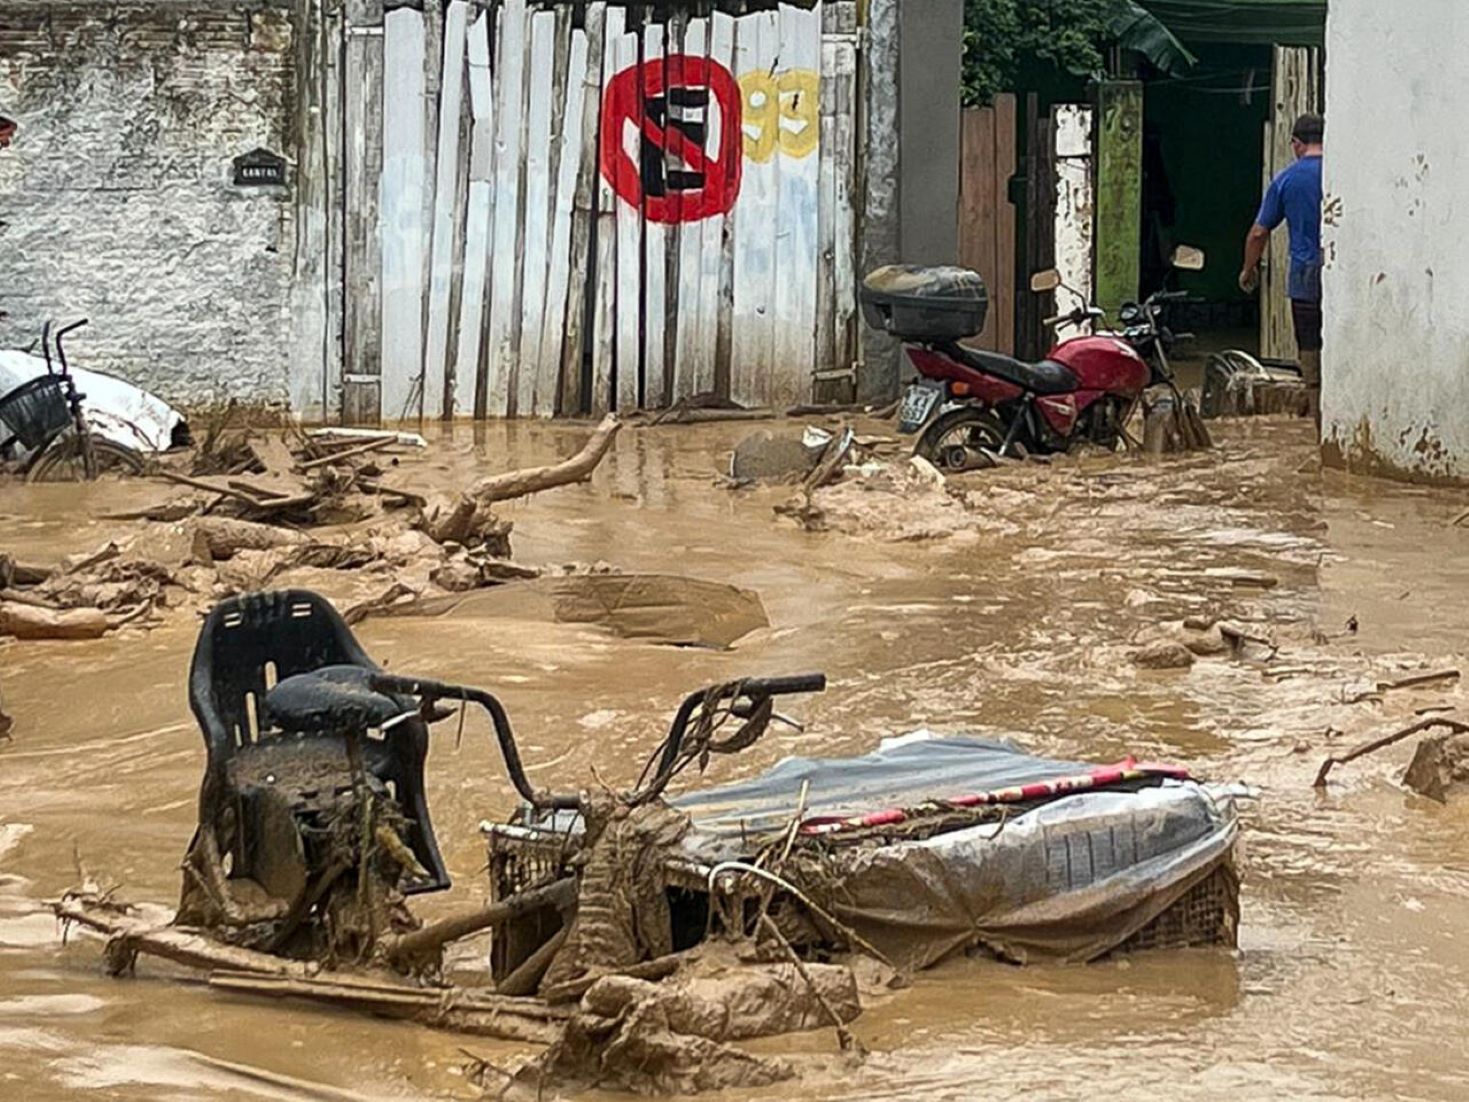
[1353,966]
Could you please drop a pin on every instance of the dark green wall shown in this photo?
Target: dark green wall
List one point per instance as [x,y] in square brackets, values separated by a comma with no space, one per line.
[1211,144]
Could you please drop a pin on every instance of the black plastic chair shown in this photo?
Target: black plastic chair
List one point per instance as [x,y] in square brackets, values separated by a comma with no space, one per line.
[281,634]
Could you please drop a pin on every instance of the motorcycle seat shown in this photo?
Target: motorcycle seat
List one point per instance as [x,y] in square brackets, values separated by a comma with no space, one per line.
[1045,377]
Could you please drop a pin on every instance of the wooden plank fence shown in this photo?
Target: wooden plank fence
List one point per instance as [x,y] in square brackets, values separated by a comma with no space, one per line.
[1296,88]
[557,209]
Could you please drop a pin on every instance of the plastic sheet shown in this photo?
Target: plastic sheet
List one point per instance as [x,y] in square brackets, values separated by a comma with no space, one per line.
[1071,879]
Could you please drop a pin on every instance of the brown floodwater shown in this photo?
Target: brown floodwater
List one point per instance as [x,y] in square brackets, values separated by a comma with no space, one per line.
[1353,967]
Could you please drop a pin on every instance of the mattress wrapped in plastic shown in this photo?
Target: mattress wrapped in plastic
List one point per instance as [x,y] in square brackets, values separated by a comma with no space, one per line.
[1072,876]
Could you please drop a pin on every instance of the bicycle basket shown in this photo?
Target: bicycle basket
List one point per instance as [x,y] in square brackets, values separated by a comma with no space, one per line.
[36,411]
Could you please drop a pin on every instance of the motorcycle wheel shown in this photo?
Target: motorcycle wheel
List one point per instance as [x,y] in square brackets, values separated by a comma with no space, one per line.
[964,439]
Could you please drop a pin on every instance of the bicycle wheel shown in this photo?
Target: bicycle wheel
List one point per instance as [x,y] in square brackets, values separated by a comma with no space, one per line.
[69,458]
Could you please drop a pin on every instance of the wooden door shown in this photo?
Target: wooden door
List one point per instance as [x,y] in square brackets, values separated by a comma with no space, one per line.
[986,215]
[1296,90]
[1038,250]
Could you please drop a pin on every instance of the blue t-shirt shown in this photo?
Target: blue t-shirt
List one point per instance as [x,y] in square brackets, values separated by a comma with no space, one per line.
[1294,197]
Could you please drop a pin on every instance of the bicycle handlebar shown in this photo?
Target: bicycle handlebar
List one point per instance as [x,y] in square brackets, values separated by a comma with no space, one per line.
[782,686]
[755,689]
[429,691]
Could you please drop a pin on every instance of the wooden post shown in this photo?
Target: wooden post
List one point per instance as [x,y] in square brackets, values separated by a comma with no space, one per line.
[678,112]
[604,348]
[757,214]
[574,386]
[315,353]
[557,319]
[401,202]
[717,282]
[692,359]
[1119,192]
[470,347]
[363,159]
[535,229]
[449,197]
[629,222]
[798,173]
[498,364]
[655,244]
[1031,338]
[836,306]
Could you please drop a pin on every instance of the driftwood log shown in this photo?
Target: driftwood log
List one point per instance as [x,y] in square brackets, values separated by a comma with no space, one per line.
[470,519]
[461,1010]
[1432,723]
[233,968]
[224,537]
[433,937]
[27,621]
[531,480]
[130,934]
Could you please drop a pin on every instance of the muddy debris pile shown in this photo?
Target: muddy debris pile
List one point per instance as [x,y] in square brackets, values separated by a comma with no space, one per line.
[639,934]
[331,508]
[848,482]
[84,596]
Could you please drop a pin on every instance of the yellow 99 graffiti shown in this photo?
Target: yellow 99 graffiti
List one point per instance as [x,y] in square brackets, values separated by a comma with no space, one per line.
[770,101]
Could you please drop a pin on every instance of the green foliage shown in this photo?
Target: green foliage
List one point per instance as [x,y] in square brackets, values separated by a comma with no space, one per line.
[1002,35]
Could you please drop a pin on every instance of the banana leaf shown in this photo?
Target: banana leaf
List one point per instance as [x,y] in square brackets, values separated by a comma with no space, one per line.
[1135,29]
[1255,22]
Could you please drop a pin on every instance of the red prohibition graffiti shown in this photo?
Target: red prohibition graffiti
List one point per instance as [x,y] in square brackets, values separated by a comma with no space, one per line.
[668,103]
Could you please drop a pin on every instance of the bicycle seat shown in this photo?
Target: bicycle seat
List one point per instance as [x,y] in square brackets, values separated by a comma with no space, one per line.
[330,700]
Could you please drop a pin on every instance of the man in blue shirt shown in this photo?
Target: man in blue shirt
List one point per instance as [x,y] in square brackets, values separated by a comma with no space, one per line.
[1294,197]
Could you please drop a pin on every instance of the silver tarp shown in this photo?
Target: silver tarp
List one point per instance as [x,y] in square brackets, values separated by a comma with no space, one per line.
[1072,879]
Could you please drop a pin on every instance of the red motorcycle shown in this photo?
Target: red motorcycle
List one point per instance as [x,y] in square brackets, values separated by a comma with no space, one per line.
[971,406]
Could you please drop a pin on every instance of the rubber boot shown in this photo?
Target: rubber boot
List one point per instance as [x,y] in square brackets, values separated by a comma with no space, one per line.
[1311,376]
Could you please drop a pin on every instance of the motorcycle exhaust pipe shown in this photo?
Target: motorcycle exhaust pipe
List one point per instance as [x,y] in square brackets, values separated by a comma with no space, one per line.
[962,457]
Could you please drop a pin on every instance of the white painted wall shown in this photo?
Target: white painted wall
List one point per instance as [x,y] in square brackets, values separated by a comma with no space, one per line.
[1395,388]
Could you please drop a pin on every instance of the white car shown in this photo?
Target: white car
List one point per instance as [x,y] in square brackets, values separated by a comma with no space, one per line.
[115,409]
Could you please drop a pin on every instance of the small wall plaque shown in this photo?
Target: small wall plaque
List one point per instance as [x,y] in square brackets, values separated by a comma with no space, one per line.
[260,168]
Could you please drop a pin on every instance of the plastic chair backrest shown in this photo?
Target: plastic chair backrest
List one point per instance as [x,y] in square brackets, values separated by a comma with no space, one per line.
[255,640]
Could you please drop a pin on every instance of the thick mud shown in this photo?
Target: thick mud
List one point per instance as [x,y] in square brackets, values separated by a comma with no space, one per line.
[1353,969]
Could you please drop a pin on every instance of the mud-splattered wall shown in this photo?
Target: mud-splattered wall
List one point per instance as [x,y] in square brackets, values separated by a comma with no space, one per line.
[1395,386]
[117,199]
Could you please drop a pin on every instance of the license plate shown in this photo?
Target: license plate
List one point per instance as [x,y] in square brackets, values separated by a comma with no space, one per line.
[919,402]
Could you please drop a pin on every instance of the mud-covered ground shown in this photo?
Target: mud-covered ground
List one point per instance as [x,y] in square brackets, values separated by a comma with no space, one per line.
[1012,604]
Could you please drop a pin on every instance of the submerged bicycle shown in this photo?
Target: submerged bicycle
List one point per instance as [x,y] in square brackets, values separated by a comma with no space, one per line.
[45,418]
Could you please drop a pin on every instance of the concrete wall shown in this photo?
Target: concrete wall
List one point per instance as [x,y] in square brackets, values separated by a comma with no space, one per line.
[932,45]
[912,55]
[117,202]
[1395,389]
